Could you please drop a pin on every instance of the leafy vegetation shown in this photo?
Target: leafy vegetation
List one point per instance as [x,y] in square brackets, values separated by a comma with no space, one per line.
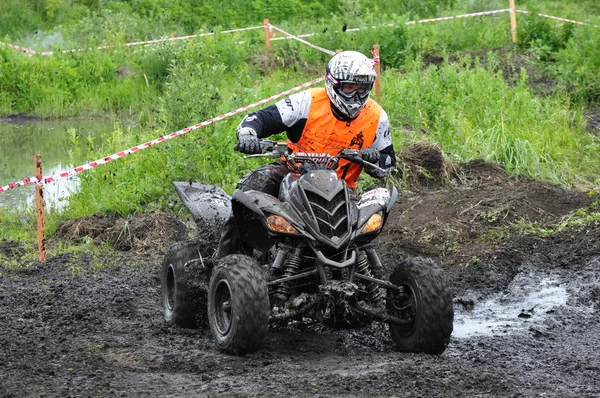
[462,84]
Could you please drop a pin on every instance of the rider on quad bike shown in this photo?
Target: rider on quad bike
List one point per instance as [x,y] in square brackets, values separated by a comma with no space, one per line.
[339,115]
[298,239]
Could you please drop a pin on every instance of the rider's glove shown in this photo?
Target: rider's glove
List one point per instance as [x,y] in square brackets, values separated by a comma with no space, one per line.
[374,172]
[370,155]
[248,142]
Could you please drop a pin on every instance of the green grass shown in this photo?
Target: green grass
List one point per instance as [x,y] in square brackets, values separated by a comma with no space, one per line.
[461,84]
[475,114]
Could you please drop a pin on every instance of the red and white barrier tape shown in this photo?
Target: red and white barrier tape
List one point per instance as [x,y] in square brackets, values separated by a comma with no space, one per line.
[18,48]
[304,41]
[298,37]
[558,18]
[90,165]
[391,25]
[475,14]
[143,43]
[289,37]
[376,58]
[270,27]
[483,13]
[422,21]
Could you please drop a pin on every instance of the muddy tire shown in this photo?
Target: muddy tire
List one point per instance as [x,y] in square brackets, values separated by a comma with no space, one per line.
[184,285]
[426,301]
[238,305]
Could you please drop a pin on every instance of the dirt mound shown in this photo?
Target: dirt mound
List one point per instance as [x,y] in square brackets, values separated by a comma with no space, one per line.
[422,164]
[11,249]
[141,232]
[461,213]
[463,224]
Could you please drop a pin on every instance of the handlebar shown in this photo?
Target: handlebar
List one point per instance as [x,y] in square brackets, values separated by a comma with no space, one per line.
[276,150]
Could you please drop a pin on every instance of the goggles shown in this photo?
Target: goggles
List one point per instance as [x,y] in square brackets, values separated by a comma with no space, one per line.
[350,90]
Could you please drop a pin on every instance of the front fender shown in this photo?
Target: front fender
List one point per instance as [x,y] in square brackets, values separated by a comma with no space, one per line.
[251,209]
[379,200]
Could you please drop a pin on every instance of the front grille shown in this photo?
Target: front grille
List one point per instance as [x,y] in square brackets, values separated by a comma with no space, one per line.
[332,216]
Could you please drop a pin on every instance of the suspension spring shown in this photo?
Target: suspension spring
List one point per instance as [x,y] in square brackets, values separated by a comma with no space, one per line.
[362,267]
[291,266]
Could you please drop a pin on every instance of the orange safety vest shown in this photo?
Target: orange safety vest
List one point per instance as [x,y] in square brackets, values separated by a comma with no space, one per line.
[324,132]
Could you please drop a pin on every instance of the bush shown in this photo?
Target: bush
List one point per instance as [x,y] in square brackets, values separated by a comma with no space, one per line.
[543,36]
[577,65]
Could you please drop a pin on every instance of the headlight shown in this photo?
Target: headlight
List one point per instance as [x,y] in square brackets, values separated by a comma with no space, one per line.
[280,224]
[373,224]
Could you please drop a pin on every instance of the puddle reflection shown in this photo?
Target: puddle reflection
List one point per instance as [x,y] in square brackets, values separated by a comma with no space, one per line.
[510,312]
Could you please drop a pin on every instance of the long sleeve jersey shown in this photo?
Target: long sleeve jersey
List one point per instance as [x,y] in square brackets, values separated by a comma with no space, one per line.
[311,125]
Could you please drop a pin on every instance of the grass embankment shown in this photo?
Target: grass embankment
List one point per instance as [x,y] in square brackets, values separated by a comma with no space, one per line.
[460,83]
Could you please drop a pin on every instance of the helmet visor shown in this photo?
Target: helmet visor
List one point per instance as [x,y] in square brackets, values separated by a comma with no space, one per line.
[352,89]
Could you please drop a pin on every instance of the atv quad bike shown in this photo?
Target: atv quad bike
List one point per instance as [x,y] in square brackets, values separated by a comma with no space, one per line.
[311,256]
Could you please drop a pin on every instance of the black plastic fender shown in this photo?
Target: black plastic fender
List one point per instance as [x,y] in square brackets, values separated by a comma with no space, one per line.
[210,206]
[251,208]
[379,200]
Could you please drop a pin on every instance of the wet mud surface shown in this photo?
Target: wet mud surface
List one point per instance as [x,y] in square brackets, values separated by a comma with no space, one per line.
[526,325]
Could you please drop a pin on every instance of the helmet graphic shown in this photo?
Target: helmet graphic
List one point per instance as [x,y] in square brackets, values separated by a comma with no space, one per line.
[349,78]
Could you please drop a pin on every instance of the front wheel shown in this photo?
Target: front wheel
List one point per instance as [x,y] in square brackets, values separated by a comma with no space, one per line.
[238,305]
[424,301]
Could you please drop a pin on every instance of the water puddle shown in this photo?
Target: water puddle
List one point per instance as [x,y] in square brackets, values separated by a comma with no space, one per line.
[525,305]
[19,142]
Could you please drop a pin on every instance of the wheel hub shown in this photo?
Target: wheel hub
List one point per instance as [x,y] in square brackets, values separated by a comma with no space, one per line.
[170,287]
[223,307]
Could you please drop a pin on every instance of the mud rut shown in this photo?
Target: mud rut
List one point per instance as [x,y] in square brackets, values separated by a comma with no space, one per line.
[526,317]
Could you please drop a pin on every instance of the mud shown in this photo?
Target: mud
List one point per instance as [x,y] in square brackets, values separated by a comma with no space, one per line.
[527,309]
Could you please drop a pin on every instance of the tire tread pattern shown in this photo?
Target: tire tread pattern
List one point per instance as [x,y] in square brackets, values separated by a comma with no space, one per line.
[250,304]
[435,313]
[189,299]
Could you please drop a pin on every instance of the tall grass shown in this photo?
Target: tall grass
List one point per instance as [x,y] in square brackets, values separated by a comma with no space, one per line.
[143,181]
[446,83]
[474,113]
[89,83]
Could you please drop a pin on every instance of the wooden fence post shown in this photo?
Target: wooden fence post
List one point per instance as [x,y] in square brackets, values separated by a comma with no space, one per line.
[513,20]
[267,26]
[39,209]
[377,65]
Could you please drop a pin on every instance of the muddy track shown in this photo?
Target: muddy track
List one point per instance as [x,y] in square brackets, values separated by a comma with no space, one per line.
[527,315]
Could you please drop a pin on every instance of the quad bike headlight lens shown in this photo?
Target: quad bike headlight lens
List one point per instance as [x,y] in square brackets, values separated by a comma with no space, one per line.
[280,224]
[373,224]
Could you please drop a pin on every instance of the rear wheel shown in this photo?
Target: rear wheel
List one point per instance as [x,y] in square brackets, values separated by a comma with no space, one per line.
[184,282]
[425,302]
[238,305]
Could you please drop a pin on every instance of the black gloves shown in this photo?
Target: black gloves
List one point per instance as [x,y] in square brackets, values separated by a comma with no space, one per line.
[370,155]
[373,172]
[248,142]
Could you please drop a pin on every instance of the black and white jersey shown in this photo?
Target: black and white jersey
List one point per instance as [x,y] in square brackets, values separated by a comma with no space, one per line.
[291,114]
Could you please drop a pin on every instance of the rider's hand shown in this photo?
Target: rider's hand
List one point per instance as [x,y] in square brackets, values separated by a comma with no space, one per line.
[248,142]
[370,155]
[373,172]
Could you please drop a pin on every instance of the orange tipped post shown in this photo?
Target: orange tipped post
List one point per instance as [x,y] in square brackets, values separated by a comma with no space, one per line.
[513,20]
[39,209]
[267,26]
[377,65]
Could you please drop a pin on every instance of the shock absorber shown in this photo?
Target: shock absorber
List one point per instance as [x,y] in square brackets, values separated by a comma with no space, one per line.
[362,267]
[291,266]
